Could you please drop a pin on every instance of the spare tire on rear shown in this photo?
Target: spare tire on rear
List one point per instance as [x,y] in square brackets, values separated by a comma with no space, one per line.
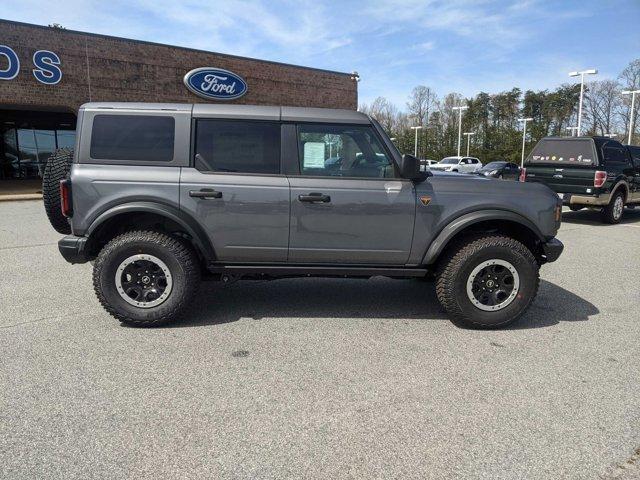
[57,168]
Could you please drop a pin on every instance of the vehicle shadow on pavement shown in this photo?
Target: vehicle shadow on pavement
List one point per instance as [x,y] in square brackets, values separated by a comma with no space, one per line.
[375,298]
[553,305]
[592,217]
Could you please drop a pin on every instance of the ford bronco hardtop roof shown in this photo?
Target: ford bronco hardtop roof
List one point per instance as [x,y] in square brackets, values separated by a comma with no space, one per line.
[259,112]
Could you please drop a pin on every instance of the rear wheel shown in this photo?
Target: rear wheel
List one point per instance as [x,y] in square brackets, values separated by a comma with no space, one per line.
[488,282]
[56,169]
[146,278]
[612,213]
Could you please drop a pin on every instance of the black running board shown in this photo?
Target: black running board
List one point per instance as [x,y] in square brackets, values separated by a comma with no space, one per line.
[316,271]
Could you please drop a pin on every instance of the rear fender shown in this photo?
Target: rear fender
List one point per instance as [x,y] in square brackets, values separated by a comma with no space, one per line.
[190,226]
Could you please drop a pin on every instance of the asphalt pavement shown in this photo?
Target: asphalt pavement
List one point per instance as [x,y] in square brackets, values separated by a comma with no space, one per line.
[321,378]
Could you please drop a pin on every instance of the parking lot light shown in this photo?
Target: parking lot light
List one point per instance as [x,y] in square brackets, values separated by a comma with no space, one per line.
[591,71]
[633,104]
[524,136]
[460,110]
[468,135]
[416,128]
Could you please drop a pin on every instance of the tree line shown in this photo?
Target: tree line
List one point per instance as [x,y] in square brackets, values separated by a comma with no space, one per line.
[493,118]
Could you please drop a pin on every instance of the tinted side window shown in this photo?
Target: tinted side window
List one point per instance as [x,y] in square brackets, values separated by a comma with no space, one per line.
[614,154]
[132,137]
[342,151]
[635,154]
[237,146]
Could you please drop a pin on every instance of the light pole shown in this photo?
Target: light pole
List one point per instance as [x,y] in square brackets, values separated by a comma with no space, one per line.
[415,152]
[468,135]
[524,136]
[633,104]
[460,110]
[591,71]
[572,130]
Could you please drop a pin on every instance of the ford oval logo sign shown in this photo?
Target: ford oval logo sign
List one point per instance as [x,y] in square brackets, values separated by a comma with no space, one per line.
[215,83]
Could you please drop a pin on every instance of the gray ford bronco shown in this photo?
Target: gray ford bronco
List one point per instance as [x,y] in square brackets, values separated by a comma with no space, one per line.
[159,196]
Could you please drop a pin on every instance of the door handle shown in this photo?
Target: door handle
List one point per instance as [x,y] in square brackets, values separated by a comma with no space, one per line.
[205,193]
[314,197]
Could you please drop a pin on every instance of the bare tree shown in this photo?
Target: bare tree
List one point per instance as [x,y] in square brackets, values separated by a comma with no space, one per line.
[630,80]
[383,111]
[422,101]
[602,104]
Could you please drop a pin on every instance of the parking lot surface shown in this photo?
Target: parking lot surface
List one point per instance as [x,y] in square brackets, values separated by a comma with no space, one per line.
[321,378]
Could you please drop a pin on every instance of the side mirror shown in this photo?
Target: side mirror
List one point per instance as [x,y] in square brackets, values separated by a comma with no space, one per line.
[410,168]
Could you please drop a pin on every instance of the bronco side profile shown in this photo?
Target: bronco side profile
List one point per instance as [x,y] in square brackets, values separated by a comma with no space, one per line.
[161,195]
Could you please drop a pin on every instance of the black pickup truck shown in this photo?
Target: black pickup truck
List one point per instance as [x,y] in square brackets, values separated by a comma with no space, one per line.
[588,172]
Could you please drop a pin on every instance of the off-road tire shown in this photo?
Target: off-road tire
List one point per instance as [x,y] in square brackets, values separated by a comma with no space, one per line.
[176,253]
[459,262]
[57,168]
[609,212]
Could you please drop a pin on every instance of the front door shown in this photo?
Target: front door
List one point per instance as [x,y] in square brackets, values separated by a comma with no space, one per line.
[235,190]
[348,204]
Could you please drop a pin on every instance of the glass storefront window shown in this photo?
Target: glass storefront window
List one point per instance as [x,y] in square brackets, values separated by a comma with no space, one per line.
[10,154]
[24,151]
[66,138]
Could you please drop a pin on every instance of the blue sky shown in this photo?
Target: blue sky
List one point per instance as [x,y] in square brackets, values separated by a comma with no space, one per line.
[463,46]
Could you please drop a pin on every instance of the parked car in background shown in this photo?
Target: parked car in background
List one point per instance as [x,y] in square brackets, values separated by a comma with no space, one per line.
[426,163]
[500,169]
[458,164]
[588,172]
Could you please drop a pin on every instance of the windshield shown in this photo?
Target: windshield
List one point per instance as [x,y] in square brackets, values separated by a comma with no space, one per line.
[494,165]
[450,161]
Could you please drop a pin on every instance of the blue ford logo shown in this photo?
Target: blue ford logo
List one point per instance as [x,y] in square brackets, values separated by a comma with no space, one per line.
[215,83]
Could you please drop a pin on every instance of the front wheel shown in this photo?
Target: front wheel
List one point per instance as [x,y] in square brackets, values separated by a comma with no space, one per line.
[146,278]
[612,213]
[488,282]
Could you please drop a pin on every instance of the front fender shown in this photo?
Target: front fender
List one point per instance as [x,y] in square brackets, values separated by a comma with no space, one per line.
[468,219]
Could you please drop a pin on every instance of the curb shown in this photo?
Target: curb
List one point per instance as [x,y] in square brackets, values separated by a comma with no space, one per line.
[21,196]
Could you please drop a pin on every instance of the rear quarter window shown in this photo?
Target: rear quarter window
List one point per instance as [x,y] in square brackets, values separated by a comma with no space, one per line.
[133,137]
[614,154]
[635,155]
[578,152]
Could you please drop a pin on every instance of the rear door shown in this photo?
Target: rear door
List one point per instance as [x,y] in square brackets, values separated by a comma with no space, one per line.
[235,190]
[635,185]
[617,163]
[352,211]
[566,165]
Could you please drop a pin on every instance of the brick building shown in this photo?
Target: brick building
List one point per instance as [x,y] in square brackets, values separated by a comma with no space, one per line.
[47,73]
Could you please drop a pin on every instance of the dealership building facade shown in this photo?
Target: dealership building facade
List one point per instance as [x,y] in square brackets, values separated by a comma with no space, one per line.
[46,73]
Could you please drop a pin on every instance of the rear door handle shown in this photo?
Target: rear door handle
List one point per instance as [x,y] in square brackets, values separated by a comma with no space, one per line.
[314,197]
[205,193]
